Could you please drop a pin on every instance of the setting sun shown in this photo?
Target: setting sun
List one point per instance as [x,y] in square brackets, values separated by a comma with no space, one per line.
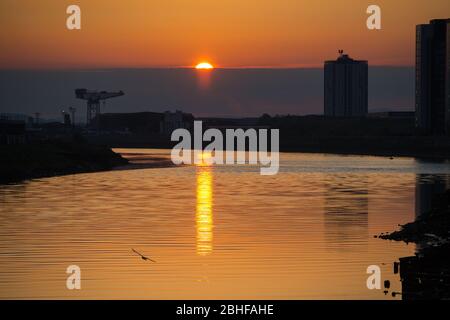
[204,65]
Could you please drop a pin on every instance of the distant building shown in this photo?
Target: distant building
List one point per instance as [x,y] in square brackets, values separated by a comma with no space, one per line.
[67,120]
[12,131]
[428,189]
[176,120]
[138,122]
[433,77]
[410,115]
[145,122]
[345,87]
[17,117]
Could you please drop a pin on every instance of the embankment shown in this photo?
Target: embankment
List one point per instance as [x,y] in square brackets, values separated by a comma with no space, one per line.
[52,158]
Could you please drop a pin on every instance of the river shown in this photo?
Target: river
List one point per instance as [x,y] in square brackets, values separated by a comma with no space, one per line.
[215,232]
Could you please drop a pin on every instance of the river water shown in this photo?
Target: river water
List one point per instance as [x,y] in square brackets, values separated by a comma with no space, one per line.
[215,232]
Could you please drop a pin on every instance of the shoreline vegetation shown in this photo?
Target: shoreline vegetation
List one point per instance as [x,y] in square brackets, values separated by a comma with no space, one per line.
[426,275]
[58,150]
[423,147]
[388,137]
[20,162]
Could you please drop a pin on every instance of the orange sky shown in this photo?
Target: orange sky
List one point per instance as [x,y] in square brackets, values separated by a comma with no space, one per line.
[228,33]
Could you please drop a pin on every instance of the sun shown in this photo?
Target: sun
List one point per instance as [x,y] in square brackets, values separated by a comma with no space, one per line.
[204,66]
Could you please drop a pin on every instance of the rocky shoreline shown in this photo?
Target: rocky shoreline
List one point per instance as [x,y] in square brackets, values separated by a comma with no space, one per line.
[426,275]
[432,228]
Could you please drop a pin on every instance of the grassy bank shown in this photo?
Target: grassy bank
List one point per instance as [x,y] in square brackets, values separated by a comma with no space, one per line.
[44,159]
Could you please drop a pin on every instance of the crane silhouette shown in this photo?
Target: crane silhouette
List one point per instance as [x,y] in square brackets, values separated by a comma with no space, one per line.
[93,99]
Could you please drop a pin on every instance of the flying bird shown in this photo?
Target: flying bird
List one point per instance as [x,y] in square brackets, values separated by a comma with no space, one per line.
[142,256]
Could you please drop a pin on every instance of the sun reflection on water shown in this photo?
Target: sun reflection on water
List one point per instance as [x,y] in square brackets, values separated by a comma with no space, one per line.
[204,216]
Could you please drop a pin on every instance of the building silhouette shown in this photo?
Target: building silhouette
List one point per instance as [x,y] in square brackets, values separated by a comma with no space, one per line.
[428,187]
[175,120]
[145,122]
[346,87]
[433,77]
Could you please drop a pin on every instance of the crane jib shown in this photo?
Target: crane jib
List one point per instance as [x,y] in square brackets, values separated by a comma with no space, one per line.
[93,98]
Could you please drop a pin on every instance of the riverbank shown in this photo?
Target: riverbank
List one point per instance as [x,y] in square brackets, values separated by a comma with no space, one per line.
[432,227]
[427,274]
[53,158]
[138,160]
[424,147]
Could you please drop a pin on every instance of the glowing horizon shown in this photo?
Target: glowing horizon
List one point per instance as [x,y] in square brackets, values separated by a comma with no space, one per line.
[146,34]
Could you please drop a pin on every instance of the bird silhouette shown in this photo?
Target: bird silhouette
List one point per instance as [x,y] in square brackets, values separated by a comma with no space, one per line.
[142,256]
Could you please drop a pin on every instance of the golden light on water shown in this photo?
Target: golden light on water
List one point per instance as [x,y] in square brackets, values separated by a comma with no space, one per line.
[204,215]
[242,225]
[204,158]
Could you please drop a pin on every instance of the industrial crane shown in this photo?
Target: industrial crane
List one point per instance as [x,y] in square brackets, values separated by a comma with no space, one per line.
[93,99]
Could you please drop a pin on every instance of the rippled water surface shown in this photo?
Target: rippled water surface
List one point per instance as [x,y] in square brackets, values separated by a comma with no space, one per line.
[214,231]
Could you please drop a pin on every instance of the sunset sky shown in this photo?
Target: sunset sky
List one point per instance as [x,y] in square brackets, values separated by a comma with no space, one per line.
[231,33]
